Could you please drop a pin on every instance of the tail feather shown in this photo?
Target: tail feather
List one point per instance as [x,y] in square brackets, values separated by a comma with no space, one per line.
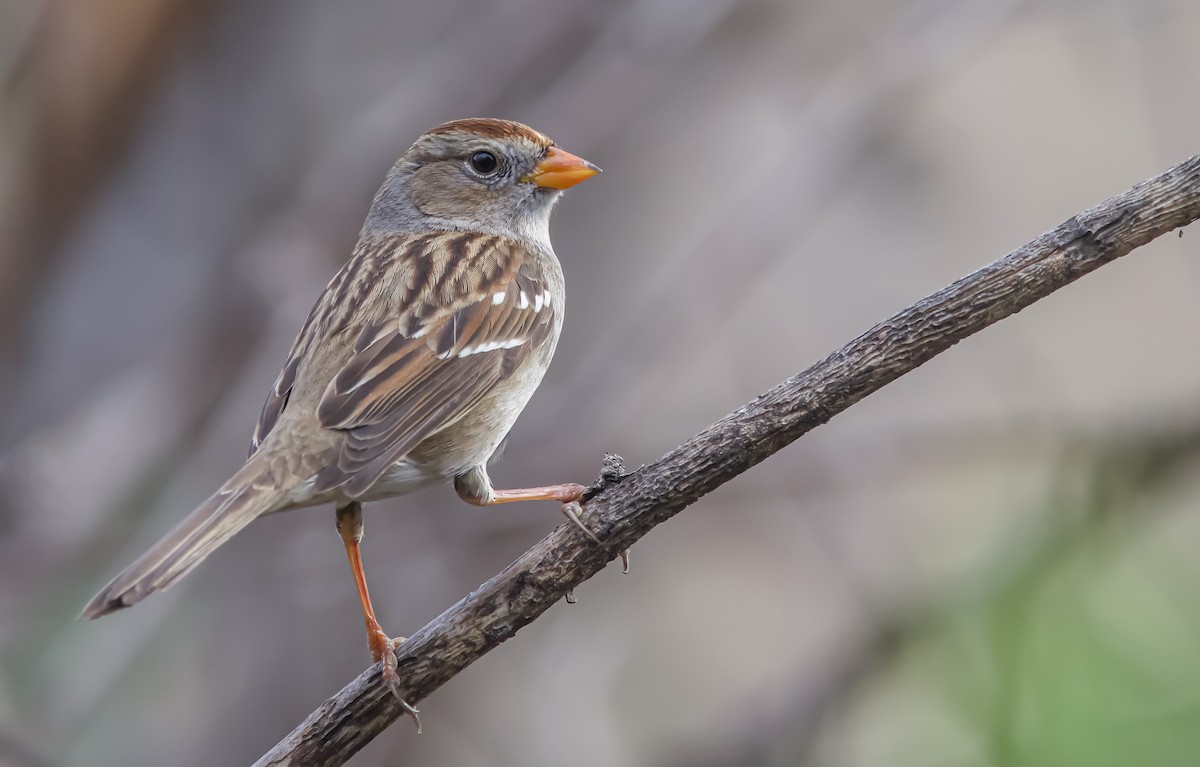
[249,494]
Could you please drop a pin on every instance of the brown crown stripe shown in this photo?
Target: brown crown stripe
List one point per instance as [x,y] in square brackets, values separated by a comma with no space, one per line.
[492,128]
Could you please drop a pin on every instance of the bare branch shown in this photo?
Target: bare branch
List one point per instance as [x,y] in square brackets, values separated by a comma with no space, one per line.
[624,511]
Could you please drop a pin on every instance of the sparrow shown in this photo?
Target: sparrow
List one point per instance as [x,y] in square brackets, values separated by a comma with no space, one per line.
[415,361]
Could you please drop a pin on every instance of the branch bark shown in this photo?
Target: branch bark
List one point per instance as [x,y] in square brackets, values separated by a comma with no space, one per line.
[623,511]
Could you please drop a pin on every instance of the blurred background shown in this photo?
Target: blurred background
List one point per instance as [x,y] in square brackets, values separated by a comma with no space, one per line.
[991,562]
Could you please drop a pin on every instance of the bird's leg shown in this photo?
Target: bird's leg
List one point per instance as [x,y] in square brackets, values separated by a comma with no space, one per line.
[475,487]
[568,495]
[350,527]
[383,647]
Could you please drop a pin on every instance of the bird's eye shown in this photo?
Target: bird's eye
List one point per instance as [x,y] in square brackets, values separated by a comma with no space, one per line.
[484,163]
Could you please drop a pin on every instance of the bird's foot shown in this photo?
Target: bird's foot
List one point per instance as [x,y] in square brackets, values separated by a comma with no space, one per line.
[383,648]
[573,511]
[612,473]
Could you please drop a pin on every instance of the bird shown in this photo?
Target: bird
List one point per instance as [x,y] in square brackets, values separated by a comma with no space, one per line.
[413,364]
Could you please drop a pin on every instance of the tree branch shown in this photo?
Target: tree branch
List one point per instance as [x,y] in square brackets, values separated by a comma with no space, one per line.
[623,511]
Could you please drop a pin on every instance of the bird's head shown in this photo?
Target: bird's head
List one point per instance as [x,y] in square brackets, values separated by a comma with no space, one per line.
[481,174]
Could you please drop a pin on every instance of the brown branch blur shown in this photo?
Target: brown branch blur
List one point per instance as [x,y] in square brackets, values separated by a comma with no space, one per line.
[73,99]
[621,513]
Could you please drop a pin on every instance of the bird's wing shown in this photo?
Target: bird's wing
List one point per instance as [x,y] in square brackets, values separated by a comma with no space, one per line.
[470,311]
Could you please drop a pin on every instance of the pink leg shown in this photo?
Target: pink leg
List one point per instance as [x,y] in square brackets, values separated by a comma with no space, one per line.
[568,493]
[383,647]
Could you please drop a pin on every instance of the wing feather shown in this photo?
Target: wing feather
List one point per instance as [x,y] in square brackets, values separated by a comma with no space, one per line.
[469,309]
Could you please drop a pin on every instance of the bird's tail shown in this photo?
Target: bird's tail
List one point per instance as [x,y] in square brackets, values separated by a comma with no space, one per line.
[248,494]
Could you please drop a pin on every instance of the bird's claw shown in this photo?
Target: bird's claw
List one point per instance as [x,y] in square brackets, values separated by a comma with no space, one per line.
[573,512]
[391,677]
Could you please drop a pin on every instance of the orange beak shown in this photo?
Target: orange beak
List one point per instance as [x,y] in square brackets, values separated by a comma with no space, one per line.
[561,170]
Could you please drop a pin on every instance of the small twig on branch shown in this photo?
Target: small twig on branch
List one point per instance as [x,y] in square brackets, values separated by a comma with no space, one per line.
[622,512]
